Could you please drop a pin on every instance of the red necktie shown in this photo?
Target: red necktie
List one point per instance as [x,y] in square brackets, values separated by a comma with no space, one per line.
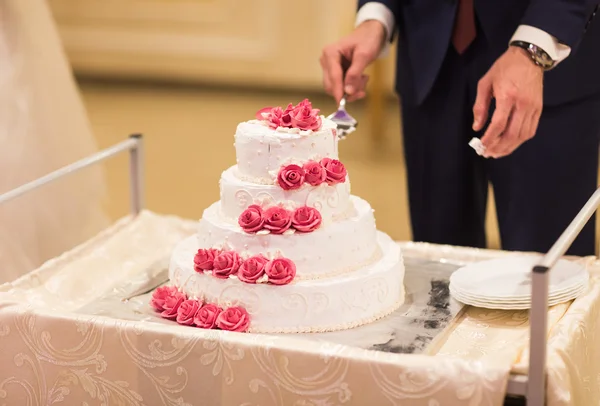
[464,26]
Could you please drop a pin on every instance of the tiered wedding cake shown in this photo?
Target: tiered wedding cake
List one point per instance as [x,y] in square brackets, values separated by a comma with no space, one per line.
[287,248]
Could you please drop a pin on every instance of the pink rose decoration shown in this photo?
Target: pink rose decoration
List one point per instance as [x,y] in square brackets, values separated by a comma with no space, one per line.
[204,258]
[187,311]
[305,117]
[277,219]
[335,170]
[207,315]
[225,264]
[306,219]
[304,103]
[160,295]
[234,319]
[280,271]
[290,177]
[252,219]
[172,304]
[314,173]
[276,116]
[288,110]
[252,269]
[286,118]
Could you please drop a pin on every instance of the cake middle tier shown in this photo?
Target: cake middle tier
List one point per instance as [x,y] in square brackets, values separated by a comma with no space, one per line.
[340,247]
[332,201]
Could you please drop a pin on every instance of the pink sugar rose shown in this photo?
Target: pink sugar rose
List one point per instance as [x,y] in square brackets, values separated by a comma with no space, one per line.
[280,271]
[284,119]
[305,103]
[277,219]
[204,258]
[187,311]
[335,170]
[276,116]
[172,303]
[288,109]
[252,219]
[206,316]
[305,117]
[252,269]
[290,177]
[306,219]
[234,319]
[314,173]
[160,295]
[226,263]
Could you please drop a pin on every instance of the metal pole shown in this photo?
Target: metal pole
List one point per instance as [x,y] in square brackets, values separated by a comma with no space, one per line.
[538,315]
[136,174]
[69,169]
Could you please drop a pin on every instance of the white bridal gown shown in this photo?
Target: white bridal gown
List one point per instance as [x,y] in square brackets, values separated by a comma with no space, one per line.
[43,126]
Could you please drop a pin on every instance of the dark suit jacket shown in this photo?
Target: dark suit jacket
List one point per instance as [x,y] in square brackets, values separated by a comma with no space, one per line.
[425,29]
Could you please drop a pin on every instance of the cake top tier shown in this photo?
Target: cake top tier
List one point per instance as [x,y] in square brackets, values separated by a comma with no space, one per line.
[278,136]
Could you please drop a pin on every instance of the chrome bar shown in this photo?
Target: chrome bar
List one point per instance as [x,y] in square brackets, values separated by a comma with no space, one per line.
[100,156]
[538,337]
[538,315]
[568,236]
[136,175]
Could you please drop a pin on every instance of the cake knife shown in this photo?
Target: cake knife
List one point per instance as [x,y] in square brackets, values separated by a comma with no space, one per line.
[346,124]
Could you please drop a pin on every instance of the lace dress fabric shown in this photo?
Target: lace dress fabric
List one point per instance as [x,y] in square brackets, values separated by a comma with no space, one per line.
[43,126]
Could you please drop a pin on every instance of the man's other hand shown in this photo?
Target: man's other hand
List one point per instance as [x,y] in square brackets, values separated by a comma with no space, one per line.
[516,84]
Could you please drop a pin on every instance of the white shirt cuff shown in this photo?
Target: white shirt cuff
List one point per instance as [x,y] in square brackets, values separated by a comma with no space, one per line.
[557,51]
[376,11]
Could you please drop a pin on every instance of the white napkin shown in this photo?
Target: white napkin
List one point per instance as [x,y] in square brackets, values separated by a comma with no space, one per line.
[477,145]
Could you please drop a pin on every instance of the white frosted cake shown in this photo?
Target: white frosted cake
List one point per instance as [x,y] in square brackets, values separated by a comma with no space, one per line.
[287,249]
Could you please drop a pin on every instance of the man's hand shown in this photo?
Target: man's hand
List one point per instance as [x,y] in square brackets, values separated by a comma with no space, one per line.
[516,83]
[351,55]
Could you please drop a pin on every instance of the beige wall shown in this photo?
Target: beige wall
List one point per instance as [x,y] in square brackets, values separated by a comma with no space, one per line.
[272,43]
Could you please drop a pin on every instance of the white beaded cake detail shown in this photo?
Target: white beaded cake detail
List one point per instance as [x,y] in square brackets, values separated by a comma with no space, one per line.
[287,249]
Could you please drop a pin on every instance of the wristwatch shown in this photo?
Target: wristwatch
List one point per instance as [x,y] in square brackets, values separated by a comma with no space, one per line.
[537,54]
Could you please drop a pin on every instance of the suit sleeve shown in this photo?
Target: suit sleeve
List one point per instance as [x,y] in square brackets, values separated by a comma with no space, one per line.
[391,4]
[566,20]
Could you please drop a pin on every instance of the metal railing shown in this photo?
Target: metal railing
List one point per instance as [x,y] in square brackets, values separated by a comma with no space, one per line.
[134,145]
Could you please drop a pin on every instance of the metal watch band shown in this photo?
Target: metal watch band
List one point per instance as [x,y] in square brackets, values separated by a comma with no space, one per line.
[538,55]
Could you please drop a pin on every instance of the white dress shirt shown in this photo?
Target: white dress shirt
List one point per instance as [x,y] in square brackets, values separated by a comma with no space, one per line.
[377,11]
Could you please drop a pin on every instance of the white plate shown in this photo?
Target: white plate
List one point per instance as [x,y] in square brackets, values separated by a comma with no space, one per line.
[507,306]
[516,305]
[467,295]
[510,278]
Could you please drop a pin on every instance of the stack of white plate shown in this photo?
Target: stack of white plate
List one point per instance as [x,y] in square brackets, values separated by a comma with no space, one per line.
[505,283]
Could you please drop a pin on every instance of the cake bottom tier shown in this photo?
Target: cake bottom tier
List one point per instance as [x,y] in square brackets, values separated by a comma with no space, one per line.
[329,304]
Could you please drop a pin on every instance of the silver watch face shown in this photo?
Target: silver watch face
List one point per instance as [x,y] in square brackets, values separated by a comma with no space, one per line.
[541,57]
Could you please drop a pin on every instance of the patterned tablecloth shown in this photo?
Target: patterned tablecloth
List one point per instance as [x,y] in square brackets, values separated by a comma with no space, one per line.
[68,337]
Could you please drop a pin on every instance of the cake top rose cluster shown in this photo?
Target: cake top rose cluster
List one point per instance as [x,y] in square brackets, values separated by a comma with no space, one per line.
[301,116]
